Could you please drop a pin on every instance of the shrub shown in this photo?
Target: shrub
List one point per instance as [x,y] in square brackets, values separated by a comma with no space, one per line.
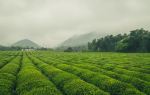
[70,84]
[8,77]
[31,81]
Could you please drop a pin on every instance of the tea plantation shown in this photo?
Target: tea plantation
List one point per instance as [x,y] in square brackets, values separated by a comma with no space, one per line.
[82,73]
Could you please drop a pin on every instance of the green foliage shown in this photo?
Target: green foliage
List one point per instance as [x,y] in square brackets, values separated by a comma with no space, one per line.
[86,73]
[31,81]
[8,77]
[6,57]
[138,83]
[122,45]
[69,49]
[106,83]
[137,41]
[69,84]
[116,73]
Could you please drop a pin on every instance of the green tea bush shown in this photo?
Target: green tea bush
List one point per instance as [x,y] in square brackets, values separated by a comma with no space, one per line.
[108,84]
[6,60]
[86,73]
[32,82]
[115,73]
[68,83]
[142,76]
[138,83]
[8,77]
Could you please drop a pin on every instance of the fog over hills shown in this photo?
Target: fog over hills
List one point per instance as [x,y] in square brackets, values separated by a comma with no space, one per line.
[51,22]
[81,40]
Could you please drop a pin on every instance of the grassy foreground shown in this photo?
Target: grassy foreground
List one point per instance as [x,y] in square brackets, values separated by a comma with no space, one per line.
[88,73]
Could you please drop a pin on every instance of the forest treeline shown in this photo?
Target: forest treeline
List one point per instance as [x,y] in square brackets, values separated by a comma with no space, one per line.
[136,41]
[5,48]
[13,48]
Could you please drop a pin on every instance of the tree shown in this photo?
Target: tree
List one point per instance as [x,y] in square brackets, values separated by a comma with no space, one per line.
[122,46]
[69,49]
[136,41]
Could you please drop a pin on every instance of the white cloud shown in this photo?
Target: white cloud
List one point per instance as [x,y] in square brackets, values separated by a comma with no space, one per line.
[49,22]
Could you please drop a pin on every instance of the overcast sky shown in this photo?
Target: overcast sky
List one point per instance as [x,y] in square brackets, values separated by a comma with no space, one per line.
[50,22]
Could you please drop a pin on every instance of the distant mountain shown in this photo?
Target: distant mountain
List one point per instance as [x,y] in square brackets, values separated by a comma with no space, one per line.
[79,40]
[6,48]
[1,47]
[26,44]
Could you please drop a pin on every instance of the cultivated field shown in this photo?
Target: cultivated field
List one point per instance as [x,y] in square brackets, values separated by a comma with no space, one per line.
[59,73]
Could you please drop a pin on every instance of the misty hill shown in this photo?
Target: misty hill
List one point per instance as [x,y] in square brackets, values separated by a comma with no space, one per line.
[79,40]
[2,47]
[26,44]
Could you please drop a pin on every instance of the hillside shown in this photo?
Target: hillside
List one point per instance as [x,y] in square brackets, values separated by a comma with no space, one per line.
[2,47]
[26,44]
[79,41]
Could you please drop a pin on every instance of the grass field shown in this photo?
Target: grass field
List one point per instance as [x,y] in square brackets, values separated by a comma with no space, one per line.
[87,73]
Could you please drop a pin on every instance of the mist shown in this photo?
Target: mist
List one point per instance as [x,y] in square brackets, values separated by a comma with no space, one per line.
[50,22]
